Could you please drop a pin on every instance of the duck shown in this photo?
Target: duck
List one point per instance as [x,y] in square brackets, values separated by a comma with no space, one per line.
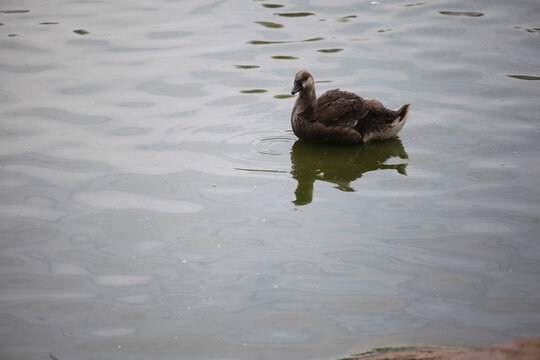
[340,116]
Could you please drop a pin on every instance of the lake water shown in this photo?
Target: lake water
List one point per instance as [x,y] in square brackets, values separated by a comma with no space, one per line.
[155,203]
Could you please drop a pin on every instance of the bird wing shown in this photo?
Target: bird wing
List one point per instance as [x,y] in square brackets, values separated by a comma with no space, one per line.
[336,107]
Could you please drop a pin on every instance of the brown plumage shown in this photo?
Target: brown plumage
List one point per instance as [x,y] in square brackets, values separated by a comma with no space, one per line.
[341,116]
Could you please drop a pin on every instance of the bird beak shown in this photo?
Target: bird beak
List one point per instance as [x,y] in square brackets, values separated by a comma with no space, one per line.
[297,86]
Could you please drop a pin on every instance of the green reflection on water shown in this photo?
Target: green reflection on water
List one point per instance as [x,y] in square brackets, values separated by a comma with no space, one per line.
[313,39]
[524,77]
[462,13]
[264,42]
[283,96]
[340,164]
[346,18]
[284,57]
[272,6]
[297,14]
[330,50]
[269,24]
[253,91]
[13,11]
[263,170]
[247,67]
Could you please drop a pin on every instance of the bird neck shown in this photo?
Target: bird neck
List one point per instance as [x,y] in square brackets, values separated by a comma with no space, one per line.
[307,99]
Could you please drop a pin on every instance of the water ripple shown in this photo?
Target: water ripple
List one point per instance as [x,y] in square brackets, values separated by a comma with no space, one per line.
[62,115]
[147,170]
[25,69]
[108,199]
[123,280]
[175,90]
[53,163]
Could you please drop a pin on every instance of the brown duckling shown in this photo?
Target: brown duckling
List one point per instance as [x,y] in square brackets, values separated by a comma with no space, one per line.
[340,116]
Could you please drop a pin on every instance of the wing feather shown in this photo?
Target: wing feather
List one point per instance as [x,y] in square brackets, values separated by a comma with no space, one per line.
[343,108]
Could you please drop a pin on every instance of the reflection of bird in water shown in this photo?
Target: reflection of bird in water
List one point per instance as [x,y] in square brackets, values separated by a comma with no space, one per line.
[341,116]
[340,164]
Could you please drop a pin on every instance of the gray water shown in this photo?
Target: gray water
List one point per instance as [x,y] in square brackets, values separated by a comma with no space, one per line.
[155,204]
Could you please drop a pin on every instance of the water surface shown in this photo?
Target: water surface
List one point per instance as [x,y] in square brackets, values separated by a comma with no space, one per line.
[154,202]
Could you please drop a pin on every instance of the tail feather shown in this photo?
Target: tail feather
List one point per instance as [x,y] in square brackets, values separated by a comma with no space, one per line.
[401,119]
[403,112]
